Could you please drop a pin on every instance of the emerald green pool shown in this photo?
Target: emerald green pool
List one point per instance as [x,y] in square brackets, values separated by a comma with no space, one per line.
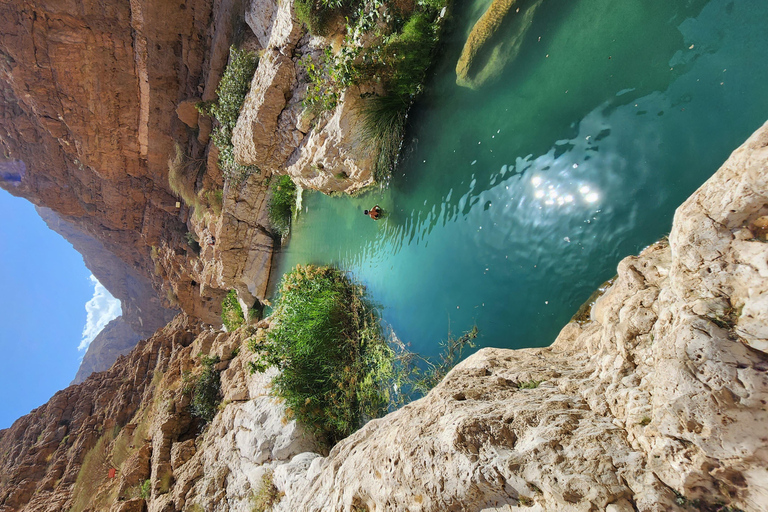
[514,202]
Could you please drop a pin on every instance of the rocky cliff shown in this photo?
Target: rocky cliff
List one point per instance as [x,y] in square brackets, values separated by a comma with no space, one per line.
[653,399]
[95,96]
[87,124]
[116,339]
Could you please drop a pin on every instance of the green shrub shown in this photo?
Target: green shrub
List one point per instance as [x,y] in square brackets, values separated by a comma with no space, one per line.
[408,53]
[314,15]
[205,397]
[282,203]
[231,313]
[146,489]
[232,90]
[336,368]
[531,384]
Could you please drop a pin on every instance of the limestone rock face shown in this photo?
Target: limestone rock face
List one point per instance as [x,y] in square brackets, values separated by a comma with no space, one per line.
[93,97]
[242,255]
[657,399]
[276,133]
[42,452]
[116,339]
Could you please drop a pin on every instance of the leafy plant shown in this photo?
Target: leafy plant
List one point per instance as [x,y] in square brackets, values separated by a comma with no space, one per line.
[337,369]
[146,489]
[531,384]
[327,342]
[231,313]
[282,203]
[396,53]
[205,397]
[232,90]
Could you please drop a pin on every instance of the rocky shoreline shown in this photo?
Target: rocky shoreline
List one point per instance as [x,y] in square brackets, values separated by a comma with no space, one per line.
[655,401]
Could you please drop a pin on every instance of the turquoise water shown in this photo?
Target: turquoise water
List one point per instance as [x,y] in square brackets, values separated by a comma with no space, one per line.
[514,202]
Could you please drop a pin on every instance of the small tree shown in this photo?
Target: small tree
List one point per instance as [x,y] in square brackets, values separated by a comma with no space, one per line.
[231,313]
[205,398]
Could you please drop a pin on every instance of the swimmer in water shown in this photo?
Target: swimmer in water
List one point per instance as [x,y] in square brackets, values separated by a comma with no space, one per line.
[374,212]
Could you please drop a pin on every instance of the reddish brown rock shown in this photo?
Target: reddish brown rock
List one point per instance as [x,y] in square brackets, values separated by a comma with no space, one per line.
[87,123]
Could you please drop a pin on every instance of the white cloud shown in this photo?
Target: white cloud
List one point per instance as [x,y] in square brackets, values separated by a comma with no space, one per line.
[101,309]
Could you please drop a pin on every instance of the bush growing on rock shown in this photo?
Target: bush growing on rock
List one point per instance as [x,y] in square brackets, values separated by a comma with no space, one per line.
[282,203]
[386,44]
[231,313]
[205,397]
[337,368]
[232,90]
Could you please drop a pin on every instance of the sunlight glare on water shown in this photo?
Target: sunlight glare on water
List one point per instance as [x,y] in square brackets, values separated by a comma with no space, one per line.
[514,202]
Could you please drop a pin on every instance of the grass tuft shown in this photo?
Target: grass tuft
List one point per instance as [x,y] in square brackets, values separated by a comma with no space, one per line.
[531,384]
[182,176]
[267,495]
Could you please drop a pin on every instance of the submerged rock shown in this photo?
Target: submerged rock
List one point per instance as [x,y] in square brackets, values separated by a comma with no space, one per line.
[495,41]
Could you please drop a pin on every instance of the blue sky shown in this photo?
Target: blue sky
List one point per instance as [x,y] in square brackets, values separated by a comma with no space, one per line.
[49,306]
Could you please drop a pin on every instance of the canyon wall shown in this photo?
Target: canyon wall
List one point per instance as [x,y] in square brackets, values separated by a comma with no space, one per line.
[88,121]
[652,399]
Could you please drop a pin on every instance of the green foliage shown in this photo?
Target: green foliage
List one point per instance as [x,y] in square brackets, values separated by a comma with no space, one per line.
[435,5]
[384,128]
[314,15]
[327,341]
[231,313]
[397,56]
[450,354]
[282,203]
[267,495]
[337,369]
[146,489]
[407,55]
[215,198]
[645,421]
[205,397]
[232,90]
[531,384]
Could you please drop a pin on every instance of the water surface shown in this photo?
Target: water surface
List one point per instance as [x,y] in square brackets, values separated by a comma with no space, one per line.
[514,202]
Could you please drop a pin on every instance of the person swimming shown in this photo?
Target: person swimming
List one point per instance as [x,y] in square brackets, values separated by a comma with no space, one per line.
[374,212]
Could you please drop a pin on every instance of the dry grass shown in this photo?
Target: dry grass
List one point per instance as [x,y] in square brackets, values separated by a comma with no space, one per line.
[182,177]
[93,474]
[267,495]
